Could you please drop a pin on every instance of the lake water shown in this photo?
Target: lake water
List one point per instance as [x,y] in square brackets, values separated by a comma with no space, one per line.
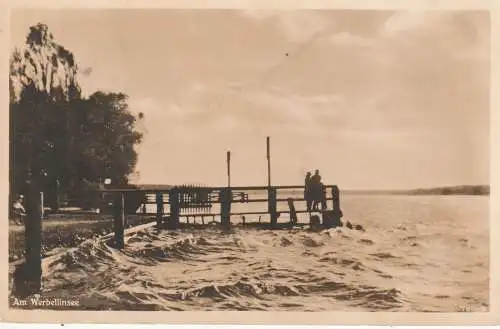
[418,253]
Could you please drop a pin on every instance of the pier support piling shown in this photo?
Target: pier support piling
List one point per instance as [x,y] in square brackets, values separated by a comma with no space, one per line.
[272,206]
[336,213]
[293,213]
[119,221]
[159,208]
[226,198]
[173,196]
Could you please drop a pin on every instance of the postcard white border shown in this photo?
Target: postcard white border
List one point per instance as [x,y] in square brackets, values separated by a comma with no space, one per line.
[262,318]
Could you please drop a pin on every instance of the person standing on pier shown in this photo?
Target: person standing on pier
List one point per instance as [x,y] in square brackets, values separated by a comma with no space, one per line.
[307,191]
[316,190]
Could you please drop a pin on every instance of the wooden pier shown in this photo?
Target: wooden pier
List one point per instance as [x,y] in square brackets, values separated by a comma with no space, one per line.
[181,201]
[199,202]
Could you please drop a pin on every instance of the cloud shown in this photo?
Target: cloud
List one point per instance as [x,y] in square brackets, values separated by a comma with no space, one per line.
[259,105]
[242,108]
[346,39]
[457,33]
[404,21]
[297,26]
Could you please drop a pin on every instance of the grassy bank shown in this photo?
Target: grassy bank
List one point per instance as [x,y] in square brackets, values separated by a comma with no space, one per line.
[64,233]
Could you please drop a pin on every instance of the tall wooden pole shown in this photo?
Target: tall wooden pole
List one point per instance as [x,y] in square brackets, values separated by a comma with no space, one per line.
[271,192]
[28,275]
[268,162]
[228,168]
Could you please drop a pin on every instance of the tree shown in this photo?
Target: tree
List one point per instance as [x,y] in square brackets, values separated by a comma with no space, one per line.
[112,154]
[64,141]
[59,141]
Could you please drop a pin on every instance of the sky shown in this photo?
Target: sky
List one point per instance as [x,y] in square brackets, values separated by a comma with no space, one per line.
[373,99]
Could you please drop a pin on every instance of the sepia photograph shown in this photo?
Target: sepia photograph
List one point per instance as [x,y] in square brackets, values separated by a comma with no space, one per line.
[325,160]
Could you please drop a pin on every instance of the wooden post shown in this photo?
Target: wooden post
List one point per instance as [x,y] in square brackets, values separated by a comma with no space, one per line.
[271,192]
[293,213]
[337,213]
[119,221]
[159,208]
[42,205]
[331,218]
[335,198]
[173,196]
[226,198]
[28,275]
[272,206]
[268,143]
[143,207]
[228,168]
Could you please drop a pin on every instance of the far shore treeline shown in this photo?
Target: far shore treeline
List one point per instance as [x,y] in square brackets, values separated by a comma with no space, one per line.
[62,142]
[446,190]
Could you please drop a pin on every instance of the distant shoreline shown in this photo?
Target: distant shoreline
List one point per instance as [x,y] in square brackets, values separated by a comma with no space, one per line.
[445,190]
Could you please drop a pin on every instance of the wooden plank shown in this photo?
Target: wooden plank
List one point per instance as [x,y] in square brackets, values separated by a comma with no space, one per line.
[233,213]
[213,188]
[254,200]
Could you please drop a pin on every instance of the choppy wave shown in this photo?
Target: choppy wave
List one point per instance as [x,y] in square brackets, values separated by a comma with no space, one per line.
[395,265]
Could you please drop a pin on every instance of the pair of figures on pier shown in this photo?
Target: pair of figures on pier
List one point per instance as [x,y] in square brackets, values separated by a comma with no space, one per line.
[314,192]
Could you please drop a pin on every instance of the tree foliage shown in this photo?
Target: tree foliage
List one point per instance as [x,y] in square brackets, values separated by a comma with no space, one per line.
[64,141]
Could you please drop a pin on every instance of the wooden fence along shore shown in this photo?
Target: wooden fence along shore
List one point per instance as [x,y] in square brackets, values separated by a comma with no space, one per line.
[182,201]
